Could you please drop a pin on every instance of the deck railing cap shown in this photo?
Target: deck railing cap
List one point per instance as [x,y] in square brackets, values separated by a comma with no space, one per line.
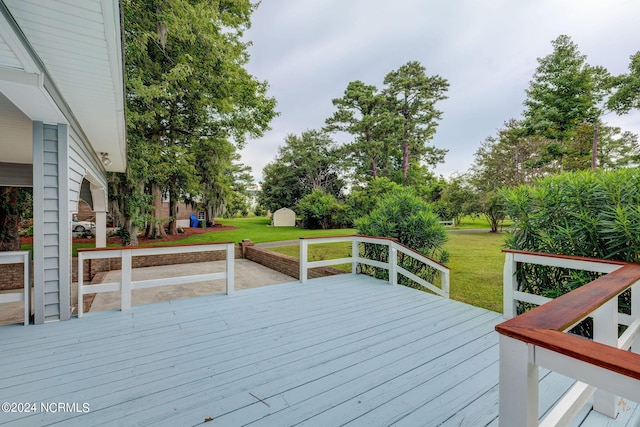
[120,248]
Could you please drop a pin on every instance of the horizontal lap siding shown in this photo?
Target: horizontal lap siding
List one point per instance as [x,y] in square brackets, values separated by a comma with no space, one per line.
[81,161]
[51,237]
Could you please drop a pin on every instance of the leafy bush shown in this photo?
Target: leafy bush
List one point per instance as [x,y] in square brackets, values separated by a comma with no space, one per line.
[259,211]
[581,214]
[320,210]
[404,216]
[362,200]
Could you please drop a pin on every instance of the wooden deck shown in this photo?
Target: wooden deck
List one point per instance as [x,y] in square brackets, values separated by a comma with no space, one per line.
[339,350]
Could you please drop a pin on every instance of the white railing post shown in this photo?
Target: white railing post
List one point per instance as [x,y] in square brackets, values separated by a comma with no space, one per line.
[635,313]
[518,393]
[605,331]
[230,268]
[125,292]
[80,284]
[27,285]
[393,263]
[510,285]
[303,260]
[445,282]
[355,253]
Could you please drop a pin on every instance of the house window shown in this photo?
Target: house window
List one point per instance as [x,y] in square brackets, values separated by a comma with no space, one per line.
[201,215]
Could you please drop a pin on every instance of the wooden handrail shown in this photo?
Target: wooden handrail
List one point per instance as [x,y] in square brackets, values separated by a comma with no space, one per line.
[544,325]
[560,256]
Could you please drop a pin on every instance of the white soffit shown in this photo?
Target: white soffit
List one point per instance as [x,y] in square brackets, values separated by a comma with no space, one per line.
[79,43]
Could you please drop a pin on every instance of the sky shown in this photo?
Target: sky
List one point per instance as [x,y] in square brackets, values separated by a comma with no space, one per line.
[309,50]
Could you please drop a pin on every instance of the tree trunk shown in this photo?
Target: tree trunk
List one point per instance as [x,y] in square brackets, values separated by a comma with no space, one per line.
[132,230]
[155,229]
[405,161]
[173,212]
[9,219]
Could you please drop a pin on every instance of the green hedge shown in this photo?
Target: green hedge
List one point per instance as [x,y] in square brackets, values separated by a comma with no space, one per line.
[581,214]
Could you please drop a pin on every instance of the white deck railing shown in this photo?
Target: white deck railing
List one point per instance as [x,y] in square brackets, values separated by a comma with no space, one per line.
[19,257]
[603,367]
[391,266]
[126,284]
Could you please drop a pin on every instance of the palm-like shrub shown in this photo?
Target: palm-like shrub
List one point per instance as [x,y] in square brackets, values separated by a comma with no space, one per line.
[404,216]
[581,214]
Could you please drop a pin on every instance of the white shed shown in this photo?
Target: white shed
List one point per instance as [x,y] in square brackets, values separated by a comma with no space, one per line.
[284,217]
[63,125]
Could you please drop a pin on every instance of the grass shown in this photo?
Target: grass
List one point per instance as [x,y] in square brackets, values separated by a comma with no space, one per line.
[320,252]
[257,229]
[476,222]
[476,265]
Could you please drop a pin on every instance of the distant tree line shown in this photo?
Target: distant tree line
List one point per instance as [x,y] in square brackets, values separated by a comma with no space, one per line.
[561,129]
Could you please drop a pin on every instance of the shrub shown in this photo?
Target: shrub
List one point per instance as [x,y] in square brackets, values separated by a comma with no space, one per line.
[404,216]
[259,211]
[581,214]
[320,210]
[363,200]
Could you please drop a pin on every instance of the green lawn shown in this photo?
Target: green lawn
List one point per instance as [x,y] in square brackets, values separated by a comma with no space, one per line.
[473,223]
[258,230]
[476,264]
[255,228]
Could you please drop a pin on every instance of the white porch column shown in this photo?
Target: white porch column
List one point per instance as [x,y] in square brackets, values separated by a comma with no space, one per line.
[101,229]
[52,223]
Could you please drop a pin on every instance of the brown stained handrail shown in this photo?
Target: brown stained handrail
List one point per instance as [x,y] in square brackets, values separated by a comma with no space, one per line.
[544,325]
[569,257]
[181,245]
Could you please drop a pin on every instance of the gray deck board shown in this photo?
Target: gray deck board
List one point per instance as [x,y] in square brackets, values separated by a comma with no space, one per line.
[337,351]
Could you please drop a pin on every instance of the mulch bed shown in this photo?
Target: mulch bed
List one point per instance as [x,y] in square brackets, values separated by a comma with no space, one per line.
[25,240]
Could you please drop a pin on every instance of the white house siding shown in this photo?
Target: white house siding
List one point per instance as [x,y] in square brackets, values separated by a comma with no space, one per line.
[82,161]
[7,57]
[52,241]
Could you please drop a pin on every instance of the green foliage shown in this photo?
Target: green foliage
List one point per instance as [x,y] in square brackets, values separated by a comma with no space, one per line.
[565,93]
[260,211]
[363,199]
[363,113]
[237,205]
[190,102]
[404,216]
[320,210]
[582,214]
[412,94]
[16,204]
[391,127]
[457,199]
[627,88]
[305,163]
